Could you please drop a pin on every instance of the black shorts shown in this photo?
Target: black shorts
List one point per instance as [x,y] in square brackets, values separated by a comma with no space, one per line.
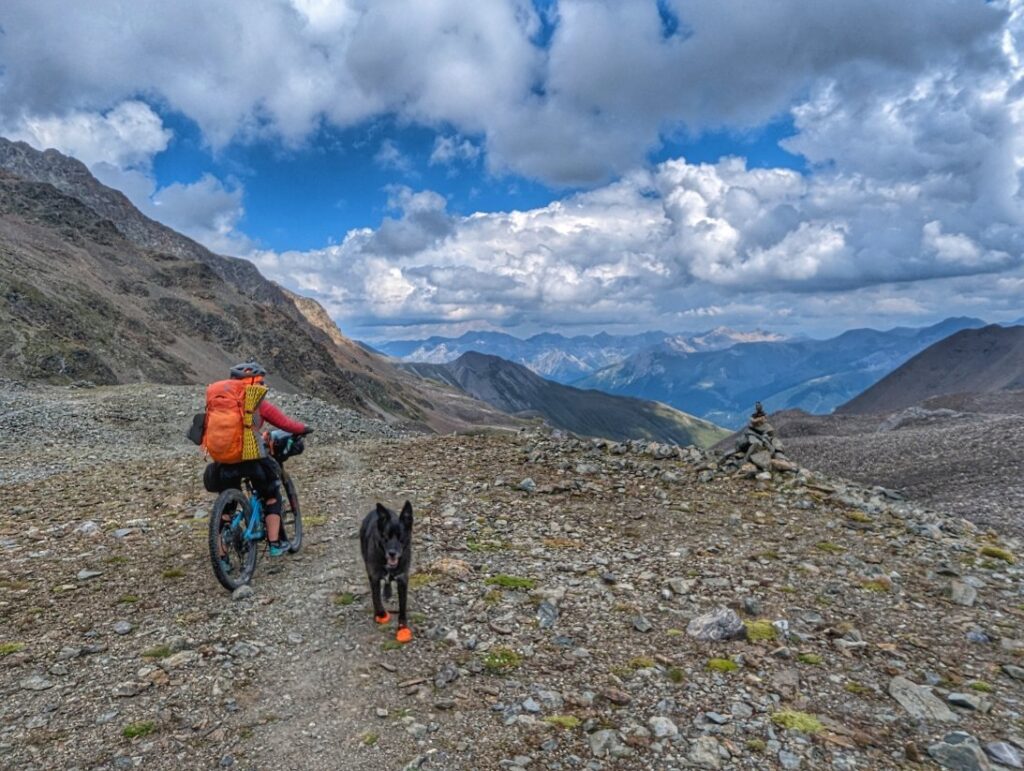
[264,473]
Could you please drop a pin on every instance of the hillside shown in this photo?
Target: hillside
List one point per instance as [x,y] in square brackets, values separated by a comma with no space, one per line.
[559,628]
[92,290]
[515,389]
[971,361]
[813,375]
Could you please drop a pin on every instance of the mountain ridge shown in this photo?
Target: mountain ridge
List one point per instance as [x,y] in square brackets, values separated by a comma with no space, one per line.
[515,389]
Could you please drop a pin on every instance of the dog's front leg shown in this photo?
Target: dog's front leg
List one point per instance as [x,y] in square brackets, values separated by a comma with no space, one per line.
[380,614]
[404,634]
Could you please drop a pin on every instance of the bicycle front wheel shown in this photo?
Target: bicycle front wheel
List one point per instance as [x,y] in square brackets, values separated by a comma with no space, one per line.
[291,516]
[232,554]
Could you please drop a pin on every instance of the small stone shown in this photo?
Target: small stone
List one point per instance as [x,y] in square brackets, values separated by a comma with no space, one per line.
[919,701]
[547,614]
[788,760]
[243,592]
[641,624]
[962,593]
[1004,753]
[531,705]
[617,697]
[381,712]
[959,751]
[527,485]
[704,752]
[682,585]
[35,683]
[604,742]
[128,689]
[227,761]
[719,624]
[180,659]
[1017,673]
[123,627]
[663,727]
[752,606]
[969,701]
[85,574]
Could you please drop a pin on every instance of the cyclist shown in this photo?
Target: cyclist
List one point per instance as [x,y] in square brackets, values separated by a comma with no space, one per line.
[264,472]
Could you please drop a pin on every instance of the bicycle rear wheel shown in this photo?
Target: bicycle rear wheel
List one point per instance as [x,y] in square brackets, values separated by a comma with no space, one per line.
[232,554]
[291,516]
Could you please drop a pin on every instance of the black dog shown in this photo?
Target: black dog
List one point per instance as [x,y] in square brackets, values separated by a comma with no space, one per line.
[386,540]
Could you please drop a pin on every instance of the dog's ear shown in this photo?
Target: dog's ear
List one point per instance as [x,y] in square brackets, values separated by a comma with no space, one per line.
[383,515]
[406,516]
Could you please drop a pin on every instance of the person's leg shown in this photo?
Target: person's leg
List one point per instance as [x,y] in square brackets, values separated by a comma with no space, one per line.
[269,488]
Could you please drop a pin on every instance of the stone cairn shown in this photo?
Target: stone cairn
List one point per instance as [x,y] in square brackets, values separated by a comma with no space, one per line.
[758,451]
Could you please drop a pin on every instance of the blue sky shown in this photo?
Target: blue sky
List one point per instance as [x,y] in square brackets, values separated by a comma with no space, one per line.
[565,165]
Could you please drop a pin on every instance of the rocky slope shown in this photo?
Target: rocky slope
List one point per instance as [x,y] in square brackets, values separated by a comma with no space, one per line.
[950,452]
[973,361]
[90,289]
[514,389]
[561,608]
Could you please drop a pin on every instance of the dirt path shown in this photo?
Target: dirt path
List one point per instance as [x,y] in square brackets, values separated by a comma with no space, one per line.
[314,705]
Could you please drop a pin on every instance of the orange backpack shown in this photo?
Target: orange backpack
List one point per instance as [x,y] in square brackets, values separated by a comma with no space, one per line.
[228,436]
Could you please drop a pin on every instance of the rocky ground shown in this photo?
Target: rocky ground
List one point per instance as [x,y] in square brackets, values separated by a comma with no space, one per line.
[576,604]
[957,453]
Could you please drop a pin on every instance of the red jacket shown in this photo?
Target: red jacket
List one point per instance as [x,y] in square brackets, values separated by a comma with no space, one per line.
[271,414]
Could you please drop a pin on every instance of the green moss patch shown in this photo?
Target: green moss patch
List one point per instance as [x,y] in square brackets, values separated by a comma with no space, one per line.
[141,728]
[568,722]
[829,547]
[173,573]
[722,665]
[809,658]
[759,630]
[419,580]
[157,652]
[641,662]
[797,721]
[369,738]
[982,686]
[510,582]
[7,648]
[876,585]
[344,598]
[998,553]
[675,674]
[500,660]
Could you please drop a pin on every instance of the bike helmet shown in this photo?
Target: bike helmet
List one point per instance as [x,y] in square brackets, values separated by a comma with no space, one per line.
[247,369]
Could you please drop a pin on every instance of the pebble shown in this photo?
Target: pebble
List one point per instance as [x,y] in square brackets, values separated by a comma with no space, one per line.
[918,700]
[123,627]
[663,727]
[85,574]
[788,760]
[243,592]
[962,593]
[704,752]
[641,624]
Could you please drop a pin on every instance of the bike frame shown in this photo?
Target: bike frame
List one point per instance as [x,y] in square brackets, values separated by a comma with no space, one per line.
[254,529]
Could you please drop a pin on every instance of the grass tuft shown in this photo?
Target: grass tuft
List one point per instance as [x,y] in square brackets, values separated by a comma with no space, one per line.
[722,665]
[858,688]
[510,582]
[982,686]
[876,585]
[797,721]
[314,521]
[676,675]
[418,580]
[7,648]
[809,658]
[998,553]
[501,659]
[344,598]
[829,547]
[141,728]
[173,573]
[858,516]
[756,745]
[759,630]
[369,738]
[641,662]
[157,652]
[568,722]
[128,599]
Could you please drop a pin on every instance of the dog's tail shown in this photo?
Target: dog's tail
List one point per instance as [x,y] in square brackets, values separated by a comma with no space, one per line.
[387,588]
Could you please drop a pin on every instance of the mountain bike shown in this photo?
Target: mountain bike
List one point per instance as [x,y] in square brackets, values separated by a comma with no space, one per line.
[237,520]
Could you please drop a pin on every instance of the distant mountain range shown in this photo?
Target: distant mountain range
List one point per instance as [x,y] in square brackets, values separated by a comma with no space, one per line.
[566,359]
[813,375]
[514,389]
[972,361]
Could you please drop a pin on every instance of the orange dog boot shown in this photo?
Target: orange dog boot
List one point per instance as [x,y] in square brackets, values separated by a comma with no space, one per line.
[382,619]
[403,635]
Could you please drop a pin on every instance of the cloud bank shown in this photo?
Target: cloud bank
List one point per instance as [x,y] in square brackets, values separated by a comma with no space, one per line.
[908,115]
